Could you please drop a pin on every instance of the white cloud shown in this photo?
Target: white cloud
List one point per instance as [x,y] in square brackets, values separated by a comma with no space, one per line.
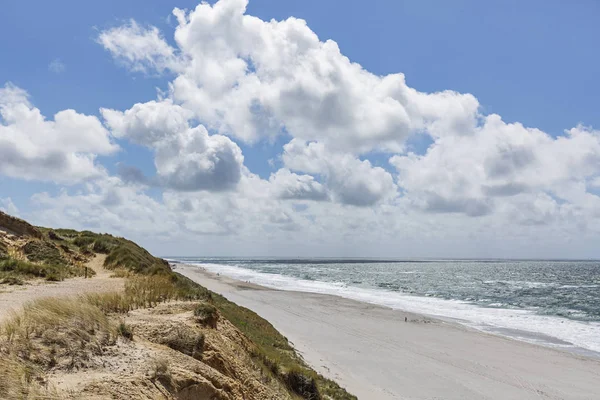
[61,150]
[250,78]
[474,174]
[483,187]
[186,158]
[57,66]
[147,123]
[351,180]
[139,48]
[288,185]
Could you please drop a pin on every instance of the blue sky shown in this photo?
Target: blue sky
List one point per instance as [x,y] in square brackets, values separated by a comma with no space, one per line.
[531,62]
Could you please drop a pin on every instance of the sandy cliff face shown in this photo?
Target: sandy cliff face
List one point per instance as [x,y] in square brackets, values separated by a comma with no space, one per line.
[160,362]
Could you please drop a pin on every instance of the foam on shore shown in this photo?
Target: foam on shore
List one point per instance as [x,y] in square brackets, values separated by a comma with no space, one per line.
[576,336]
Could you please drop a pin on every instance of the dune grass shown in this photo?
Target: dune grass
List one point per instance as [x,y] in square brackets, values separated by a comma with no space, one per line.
[44,252]
[17,381]
[277,356]
[65,332]
[11,268]
[3,250]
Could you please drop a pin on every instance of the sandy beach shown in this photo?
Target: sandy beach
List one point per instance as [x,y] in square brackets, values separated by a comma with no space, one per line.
[376,354]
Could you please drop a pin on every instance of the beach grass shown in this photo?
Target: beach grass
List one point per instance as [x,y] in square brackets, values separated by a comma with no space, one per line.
[277,356]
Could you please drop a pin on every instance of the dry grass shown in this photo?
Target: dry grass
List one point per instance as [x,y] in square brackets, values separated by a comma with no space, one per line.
[185,340]
[15,379]
[140,292]
[58,332]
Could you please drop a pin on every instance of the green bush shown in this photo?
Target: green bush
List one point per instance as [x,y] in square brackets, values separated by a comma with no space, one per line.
[103,245]
[3,250]
[43,251]
[83,241]
[125,330]
[206,314]
[27,269]
[12,280]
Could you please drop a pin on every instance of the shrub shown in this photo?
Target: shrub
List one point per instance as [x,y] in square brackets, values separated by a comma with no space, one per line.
[12,280]
[54,236]
[28,269]
[43,251]
[186,341]
[303,385]
[83,241]
[206,314]
[161,372]
[125,330]
[103,245]
[3,250]
[67,233]
[31,270]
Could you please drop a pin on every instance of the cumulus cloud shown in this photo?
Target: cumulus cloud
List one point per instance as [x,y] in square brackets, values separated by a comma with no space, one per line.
[186,158]
[471,173]
[250,78]
[351,180]
[61,150]
[288,185]
[482,182]
[142,49]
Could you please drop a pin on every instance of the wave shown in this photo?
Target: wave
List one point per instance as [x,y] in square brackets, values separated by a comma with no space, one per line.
[521,324]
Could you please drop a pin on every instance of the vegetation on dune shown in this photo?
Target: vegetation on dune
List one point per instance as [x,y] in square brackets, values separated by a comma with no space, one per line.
[130,256]
[274,352]
[68,332]
[12,268]
[185,340]
[206,314]
[3,250]
[44,252]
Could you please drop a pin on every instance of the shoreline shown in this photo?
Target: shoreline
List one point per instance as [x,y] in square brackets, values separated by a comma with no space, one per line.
[522,324]
[370,349]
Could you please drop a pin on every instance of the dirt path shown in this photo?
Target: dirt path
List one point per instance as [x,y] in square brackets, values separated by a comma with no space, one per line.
[13,297]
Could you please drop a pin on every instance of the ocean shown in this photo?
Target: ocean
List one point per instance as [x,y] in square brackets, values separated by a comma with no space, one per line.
[552,303]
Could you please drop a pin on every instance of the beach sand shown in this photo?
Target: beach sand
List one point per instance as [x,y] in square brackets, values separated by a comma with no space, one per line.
[375,354]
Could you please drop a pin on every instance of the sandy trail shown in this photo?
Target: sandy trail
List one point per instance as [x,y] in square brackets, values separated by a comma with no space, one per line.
[12,298]
[372,352]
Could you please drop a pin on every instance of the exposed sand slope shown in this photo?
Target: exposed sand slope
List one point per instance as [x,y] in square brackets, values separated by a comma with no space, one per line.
[376,355]
[125,370]
[13,297]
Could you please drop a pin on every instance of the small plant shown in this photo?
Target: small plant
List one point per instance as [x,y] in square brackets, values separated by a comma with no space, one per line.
[161,372]
[186,341]
[125,330]
[12,280]
[298,382]
[206,314]
[104,244]
[43,251]
[83,241]
[54,236]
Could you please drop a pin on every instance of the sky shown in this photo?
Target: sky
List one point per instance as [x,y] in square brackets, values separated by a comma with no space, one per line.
[318,128]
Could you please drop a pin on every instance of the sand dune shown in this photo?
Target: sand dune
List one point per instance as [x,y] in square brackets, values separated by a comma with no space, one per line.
[375,354]
[12,298]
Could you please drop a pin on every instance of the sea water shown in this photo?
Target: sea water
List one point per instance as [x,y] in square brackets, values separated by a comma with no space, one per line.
[553,303]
